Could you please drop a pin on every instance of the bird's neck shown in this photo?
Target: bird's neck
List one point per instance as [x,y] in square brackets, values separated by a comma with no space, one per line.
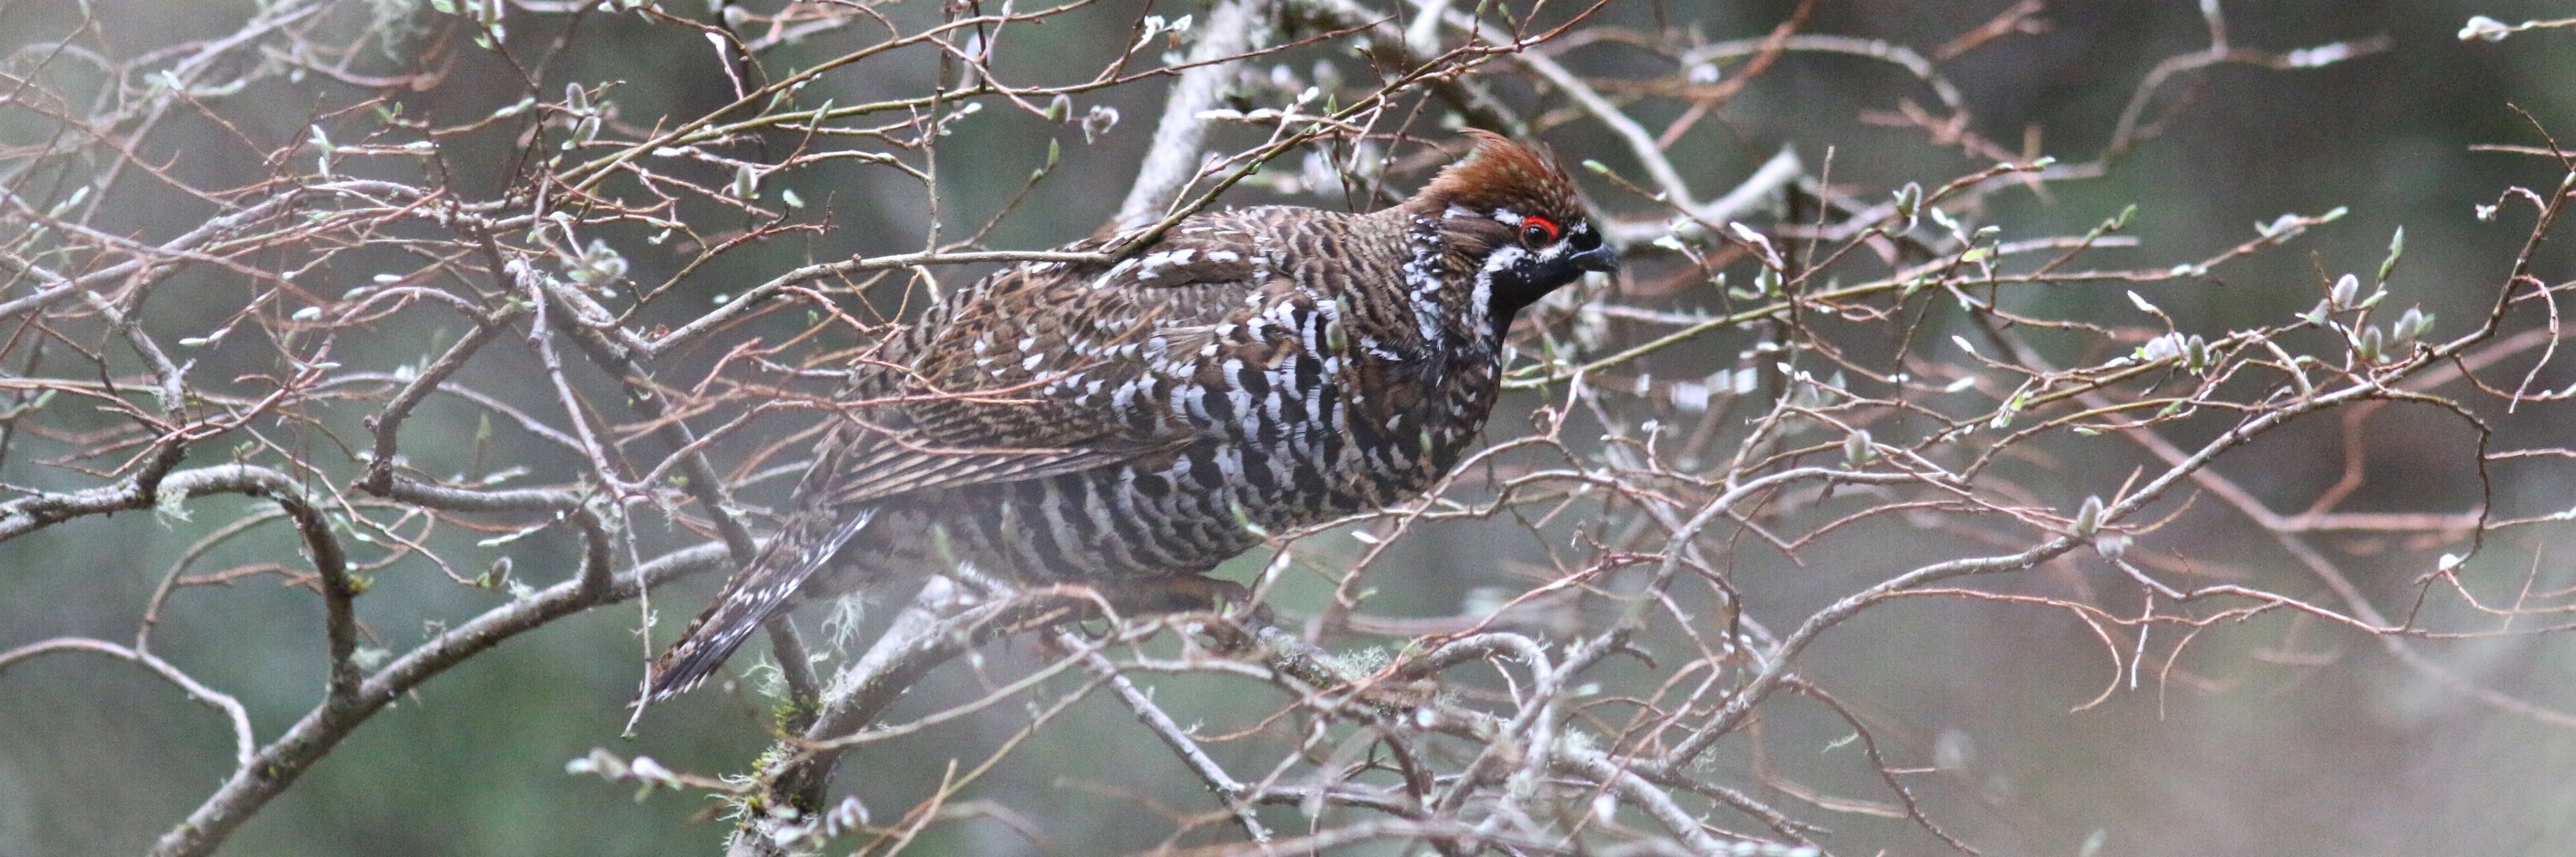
[1451,300]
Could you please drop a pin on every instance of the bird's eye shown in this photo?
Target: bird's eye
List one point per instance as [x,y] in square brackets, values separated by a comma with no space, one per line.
[1538,232]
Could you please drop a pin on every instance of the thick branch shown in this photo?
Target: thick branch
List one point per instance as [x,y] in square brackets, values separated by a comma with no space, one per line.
[279,764]
[1233,28]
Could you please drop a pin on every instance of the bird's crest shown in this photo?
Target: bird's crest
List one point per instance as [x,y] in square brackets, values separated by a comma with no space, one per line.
[1500,174]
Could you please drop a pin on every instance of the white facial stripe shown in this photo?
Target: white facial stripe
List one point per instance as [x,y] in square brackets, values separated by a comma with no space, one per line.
[1513,255]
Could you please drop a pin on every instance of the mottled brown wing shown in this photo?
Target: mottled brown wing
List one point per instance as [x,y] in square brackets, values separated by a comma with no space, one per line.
[1020,378]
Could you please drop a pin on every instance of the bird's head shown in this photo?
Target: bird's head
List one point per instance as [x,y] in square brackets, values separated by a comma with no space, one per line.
[1509,215]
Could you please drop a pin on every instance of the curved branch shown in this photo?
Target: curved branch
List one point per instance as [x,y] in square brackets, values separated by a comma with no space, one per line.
[330,562]
[279,764]
[244,741]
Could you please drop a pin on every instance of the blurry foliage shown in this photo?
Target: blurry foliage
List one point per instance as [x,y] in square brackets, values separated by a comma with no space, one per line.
[1909,490]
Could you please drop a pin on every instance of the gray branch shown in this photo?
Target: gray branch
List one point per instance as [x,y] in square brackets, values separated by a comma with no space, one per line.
[1233,27]
[279,764]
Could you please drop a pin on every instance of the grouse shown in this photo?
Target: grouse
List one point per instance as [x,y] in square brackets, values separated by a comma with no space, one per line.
[1129,424]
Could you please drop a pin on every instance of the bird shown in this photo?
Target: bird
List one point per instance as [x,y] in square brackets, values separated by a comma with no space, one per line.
[1127,424]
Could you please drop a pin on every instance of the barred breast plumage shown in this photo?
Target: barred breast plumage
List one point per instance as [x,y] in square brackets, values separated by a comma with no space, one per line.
[1132,424]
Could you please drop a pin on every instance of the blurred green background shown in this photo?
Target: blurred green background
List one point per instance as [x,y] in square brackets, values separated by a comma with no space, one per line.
[2265,757]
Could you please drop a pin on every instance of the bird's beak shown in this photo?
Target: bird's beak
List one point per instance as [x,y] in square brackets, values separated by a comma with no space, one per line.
[1600,258]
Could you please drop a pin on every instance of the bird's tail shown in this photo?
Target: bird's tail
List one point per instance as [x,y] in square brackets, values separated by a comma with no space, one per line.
[759,591]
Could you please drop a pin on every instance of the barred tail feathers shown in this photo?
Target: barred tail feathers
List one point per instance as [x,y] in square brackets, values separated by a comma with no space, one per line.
[760,591]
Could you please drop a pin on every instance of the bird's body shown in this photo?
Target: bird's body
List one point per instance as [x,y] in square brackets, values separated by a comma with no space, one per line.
[1134,423]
